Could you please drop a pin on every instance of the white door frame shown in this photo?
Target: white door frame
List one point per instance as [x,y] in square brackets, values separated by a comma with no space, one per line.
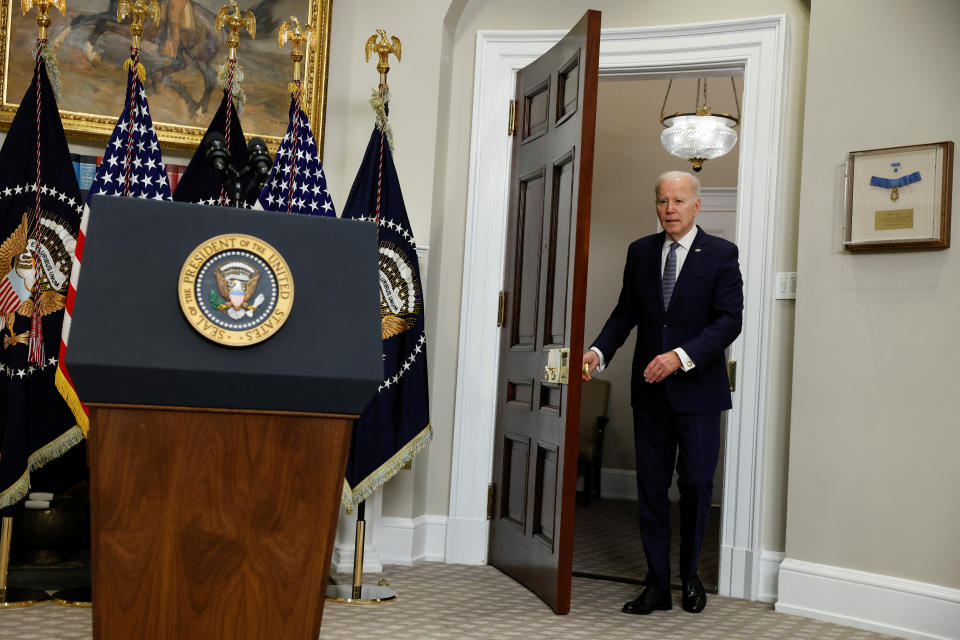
[758,46]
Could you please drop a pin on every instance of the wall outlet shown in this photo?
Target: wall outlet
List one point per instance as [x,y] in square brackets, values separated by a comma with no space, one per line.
[786,285]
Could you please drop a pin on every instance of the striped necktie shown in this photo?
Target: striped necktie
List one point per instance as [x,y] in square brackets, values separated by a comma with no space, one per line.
[670,274]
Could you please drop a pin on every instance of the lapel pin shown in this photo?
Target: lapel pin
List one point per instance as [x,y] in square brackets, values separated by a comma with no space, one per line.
[696,250]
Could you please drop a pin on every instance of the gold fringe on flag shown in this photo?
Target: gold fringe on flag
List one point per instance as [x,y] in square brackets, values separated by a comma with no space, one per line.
[350,498]
[53,69]
[73,401]
[141,71]
[378,102]
[238,95]
[51,451]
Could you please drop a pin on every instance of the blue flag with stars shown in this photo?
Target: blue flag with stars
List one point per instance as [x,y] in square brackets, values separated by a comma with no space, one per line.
[395,426]
[297,183]
[40,212]
[132,164]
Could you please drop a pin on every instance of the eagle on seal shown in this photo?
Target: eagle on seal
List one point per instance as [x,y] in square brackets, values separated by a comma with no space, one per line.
[238,293]
[21,266]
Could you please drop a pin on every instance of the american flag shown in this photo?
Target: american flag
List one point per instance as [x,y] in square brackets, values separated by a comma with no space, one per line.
[297,183]
[132,167]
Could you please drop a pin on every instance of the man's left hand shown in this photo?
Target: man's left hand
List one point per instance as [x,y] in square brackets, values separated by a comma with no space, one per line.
[661,367]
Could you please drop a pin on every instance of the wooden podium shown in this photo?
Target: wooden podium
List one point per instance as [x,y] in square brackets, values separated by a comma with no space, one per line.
[216,472]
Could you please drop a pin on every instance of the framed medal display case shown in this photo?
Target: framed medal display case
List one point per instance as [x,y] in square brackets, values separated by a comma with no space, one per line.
[899,198]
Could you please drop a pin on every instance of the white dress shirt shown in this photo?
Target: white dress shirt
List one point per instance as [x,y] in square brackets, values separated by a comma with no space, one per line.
[681,254]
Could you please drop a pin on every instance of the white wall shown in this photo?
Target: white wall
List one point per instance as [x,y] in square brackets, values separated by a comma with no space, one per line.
[874,480]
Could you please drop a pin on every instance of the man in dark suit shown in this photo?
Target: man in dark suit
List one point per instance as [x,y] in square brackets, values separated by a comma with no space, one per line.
[683,291]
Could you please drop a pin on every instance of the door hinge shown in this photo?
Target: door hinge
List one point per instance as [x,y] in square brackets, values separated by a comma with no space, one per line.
[512,124]
[501,308]
[491,496]
[732,374]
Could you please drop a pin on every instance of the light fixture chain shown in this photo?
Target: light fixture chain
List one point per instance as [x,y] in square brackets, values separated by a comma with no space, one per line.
[735,98]
[696,103]
[664,105]
[706,103]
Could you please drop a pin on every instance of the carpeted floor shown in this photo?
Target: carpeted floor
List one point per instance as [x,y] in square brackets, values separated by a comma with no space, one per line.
[607,543]
[470,602]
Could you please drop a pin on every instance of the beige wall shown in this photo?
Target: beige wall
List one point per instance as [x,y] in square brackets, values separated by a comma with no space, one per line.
[873,481]
[627,158]
[416,83]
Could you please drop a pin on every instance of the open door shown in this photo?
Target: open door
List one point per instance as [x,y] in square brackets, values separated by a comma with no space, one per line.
[538,399]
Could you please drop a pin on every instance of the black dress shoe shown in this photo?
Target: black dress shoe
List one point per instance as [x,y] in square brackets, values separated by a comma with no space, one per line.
[650,599]
[694,595]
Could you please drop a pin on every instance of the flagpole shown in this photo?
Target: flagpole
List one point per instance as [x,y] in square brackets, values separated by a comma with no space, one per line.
[14,597]
[358,593]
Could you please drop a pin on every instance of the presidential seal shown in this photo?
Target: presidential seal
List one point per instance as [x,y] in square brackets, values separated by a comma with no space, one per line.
[235,290]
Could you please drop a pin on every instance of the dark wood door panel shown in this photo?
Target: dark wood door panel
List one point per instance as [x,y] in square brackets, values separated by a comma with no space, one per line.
[568,88]
[545,494]
[526,275]
[551,399]
[536,111]
[561,212]
[520,394]
[531,533]
[516,463]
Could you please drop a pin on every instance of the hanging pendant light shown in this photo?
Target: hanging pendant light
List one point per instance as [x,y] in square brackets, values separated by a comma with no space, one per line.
[701,135]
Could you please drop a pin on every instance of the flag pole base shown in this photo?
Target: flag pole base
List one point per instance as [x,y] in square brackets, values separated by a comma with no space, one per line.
[358,593]
[20,598]
[369,594]
[75,597]
[14,597]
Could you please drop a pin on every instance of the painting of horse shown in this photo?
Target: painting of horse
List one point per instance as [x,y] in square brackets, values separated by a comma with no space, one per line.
[181,56]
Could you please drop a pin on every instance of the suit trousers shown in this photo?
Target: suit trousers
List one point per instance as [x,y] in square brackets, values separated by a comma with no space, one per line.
[665,438]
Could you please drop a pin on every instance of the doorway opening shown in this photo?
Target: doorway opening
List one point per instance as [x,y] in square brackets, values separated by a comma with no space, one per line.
[758,46]
[627,159]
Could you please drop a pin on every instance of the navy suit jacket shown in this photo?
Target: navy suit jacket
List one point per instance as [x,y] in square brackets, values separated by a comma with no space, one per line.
[703,318]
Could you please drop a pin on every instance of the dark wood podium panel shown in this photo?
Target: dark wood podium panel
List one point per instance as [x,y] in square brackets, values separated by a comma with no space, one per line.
[212,523]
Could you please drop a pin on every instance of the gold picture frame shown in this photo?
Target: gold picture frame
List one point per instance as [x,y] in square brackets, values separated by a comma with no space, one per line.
[898,198]
[90,45]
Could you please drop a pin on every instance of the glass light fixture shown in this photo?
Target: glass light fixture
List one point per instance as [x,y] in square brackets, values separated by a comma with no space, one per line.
[701,135]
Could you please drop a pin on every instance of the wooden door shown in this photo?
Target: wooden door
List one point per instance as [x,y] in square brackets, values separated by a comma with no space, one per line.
[535,458]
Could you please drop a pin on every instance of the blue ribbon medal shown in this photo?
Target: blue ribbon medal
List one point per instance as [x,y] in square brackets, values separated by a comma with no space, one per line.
[894,184]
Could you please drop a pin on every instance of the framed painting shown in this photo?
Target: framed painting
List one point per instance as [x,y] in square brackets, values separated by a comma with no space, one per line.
[899,198]
[181,56]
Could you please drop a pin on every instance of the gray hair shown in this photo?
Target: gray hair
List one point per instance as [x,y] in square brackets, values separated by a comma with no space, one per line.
[670,175]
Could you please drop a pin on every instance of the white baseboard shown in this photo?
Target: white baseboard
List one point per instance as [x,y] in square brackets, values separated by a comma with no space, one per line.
[871,601]
[467,541]
[618,484]
[410,541]
[769,574]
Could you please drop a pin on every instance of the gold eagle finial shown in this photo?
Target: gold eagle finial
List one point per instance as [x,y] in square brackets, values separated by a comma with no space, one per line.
[300,39]
[140,10]
[43,12]
[383,49]
[237,22]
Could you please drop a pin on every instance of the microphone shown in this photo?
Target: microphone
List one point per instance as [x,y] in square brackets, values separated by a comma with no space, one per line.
[217,154]
[259,162]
